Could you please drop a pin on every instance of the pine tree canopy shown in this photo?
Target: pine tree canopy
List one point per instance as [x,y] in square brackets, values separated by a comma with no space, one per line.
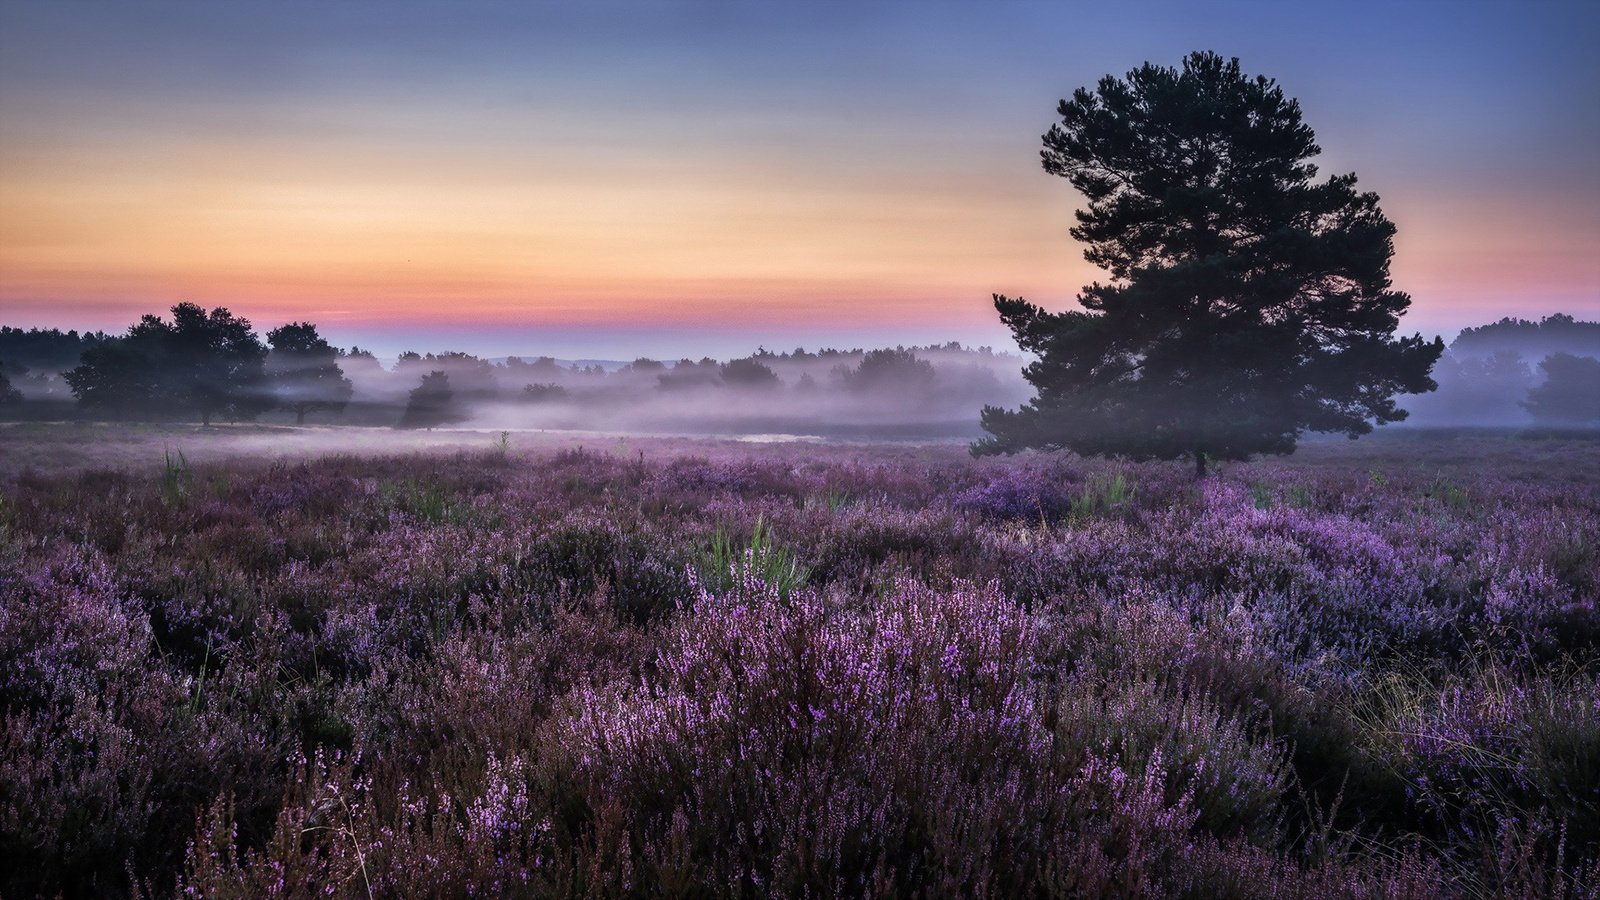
[1246,303]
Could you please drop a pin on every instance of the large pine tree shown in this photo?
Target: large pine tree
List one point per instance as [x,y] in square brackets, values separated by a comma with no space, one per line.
[1247,302]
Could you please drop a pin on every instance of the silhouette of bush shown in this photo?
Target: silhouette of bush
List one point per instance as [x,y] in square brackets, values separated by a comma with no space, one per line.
[748,374]
[430,404]
[1570,394]
[897,371]
[543,393]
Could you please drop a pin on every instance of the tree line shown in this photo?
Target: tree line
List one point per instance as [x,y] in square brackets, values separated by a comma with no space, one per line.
[204,364]
[1246,302]
[210,365]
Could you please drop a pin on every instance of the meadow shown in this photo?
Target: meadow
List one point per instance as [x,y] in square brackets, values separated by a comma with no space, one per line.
[263,663]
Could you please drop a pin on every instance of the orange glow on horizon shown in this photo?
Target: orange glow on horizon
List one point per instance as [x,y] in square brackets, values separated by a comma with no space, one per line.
[345,232]
[292,235]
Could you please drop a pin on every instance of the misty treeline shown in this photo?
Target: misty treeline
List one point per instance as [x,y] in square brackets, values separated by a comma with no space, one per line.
[211,366]
[1517,372]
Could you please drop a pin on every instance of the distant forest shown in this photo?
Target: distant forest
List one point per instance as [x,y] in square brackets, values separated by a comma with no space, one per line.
[206,366]
[211,366]
[1533,340]
[1517,372]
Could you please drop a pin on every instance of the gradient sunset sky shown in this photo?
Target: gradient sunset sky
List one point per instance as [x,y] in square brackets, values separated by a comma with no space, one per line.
[614,179]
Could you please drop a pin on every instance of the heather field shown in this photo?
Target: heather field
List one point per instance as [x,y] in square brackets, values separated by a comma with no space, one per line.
[284,662]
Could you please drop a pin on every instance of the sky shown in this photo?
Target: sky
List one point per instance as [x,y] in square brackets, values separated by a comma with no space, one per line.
[613,179]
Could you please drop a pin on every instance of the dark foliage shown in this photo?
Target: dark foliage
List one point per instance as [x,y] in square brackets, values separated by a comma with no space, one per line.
[471,378]
[8,394]
[1570,394]
[898,370]
[305,371]
[1247,303]
[688,375]
[199,364]
[46,349]
[430,403]
[1558,333]
[750,374]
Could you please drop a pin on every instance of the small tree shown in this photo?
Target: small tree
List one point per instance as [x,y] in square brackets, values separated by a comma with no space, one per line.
[305,371]
[646,366]
[1247,303]
[430,403]
[686,374]
[470,377]
[748,374]
[898,371]
[8,394]
[115,376]
[1570,393]
[360,363]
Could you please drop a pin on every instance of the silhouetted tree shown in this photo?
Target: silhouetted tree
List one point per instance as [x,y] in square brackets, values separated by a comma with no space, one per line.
[205,364]
[1247,303]
[686,374]
[1570,394]
[1478,389]
[542,367]
[430,403]
[748,374]
[118,377]
[470,377]
[305,371]
[360,363]
[644,365]
[892,371]
[8,394]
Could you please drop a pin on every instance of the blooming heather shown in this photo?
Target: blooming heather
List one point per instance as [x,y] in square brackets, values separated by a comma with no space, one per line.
[716,670]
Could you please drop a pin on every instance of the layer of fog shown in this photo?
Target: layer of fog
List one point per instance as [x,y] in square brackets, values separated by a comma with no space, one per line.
[1488,375]
[1486,379]
[921,393]
[926,393]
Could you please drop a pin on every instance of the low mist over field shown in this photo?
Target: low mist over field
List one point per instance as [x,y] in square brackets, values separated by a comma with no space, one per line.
[1489,376]
[890,393]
